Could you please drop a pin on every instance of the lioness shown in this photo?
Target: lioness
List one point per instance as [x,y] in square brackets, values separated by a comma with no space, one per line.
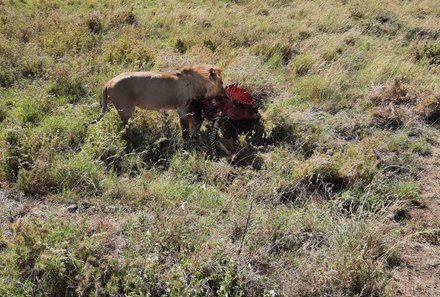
[152,90]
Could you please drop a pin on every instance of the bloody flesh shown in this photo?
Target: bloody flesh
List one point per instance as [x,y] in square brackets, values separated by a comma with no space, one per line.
[236,105]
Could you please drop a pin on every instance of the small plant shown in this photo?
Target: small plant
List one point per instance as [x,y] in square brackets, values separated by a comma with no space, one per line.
[180,46]
[123,17]
[7,77]
[421,148]
[431,51]
[405,190]
[94,24]
[302,65]
[428,106]
[68,88]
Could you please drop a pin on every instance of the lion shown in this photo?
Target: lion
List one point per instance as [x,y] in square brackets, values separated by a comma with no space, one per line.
[158,91]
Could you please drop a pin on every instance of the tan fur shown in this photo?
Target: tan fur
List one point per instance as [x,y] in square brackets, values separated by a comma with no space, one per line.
[152,90]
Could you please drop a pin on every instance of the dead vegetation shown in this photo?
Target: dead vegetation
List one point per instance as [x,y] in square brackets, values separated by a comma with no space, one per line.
[396,107]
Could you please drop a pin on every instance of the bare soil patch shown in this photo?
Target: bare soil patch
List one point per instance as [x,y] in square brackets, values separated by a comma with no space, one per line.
[419,272]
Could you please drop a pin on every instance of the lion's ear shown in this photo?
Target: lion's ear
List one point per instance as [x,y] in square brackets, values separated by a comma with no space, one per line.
[212,73]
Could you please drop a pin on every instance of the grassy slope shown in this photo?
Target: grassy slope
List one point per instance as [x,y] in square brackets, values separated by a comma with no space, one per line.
[152,218]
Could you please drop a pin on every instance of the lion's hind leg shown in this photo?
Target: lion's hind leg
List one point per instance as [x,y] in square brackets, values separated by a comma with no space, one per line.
[125,113]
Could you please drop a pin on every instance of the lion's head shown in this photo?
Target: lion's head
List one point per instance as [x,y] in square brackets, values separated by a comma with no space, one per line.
[205,80]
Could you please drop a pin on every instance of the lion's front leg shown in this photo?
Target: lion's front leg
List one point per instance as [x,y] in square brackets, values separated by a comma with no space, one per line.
[190,122]
[184,123]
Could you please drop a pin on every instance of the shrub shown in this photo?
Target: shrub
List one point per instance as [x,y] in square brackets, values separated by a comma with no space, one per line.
[346,258]
[302,64]
[33,64]
[7,76]
[124,52]
[428,106]
[53,175]
[278,54]
[29,113]
[2,114]
[68,87]
[421,148]
[103,141]
[94,24]
[14,155]
[123,17]
[62,132]
[38,179]
[431,51]
[79,172]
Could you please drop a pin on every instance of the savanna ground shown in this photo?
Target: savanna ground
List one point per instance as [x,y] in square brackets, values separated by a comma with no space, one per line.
[340,200]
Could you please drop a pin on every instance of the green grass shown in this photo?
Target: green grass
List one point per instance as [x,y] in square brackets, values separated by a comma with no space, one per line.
[347,90]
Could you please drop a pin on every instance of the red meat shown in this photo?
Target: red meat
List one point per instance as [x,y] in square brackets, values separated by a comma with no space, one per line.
[236,105]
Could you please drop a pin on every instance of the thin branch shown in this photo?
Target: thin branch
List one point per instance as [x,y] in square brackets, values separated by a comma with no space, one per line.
[247,225]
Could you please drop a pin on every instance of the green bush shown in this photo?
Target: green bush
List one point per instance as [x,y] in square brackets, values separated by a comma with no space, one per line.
[7,77]
[68,88]
[431,51]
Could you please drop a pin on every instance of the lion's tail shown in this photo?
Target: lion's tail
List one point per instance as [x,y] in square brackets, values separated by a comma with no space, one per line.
[103,106]
[104,101]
